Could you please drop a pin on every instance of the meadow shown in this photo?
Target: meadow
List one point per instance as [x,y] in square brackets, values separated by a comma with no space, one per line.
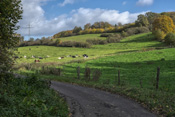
[137,57]
[82,38]
[142,42]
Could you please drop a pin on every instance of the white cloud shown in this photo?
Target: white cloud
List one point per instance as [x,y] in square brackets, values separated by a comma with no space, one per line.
[124,3]
[144,2]
[67,2]
[34,14]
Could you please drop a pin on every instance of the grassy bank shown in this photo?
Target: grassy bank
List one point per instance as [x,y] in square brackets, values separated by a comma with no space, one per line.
[30,97]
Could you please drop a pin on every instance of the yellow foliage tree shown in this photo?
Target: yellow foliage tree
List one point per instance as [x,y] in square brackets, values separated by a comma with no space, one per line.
[163,23]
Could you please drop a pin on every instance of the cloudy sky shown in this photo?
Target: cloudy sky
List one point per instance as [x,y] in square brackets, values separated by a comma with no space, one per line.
[47,17]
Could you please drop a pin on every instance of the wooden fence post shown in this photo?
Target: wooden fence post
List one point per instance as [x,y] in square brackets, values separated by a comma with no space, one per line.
[157,79]
[78,72]
[118,77]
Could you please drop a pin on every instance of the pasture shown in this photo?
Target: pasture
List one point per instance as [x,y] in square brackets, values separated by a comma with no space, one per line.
[137,57]
[141,42]
[82,38]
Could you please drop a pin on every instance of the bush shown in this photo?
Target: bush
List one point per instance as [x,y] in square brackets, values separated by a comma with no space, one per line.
[124,34]
[75,44]
[115,38]
[170,39]
[105,35]
[137,30]
[160,35]
[96,41]
[30,97]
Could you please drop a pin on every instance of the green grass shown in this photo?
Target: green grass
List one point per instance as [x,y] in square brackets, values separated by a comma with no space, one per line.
[137,57]
[134,67]
[140,42]
[30,97]
[82,38]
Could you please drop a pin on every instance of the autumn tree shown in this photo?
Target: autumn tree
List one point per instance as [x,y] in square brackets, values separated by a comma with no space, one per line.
[10,14]
[164,23]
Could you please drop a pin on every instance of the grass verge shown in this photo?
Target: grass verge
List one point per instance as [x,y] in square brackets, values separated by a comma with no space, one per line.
[30,97]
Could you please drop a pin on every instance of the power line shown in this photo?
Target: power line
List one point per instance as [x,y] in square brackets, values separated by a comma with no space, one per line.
[29,28]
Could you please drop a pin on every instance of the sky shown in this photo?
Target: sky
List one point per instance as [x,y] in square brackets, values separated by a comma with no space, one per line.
[48,17]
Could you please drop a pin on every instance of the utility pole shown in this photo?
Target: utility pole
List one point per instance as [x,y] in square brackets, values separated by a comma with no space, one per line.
[29,28]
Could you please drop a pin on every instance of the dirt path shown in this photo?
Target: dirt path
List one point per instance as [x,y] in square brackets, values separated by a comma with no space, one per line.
[89,102]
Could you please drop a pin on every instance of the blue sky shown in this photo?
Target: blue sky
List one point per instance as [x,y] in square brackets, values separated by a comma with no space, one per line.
[48,17]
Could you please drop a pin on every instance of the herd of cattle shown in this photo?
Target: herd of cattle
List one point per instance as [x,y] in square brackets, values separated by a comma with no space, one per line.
[37,58]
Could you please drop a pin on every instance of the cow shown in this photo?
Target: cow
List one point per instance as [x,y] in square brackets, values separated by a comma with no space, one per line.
[69,55]
[62,57]
[40,58]
[37,61]
[73,56]
[33,56]
[85,55]
[25,56]
[15,57]
[59,58]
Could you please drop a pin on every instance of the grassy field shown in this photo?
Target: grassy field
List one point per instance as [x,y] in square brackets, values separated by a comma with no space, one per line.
[138,72]
[137,57]
[142,42]
[82,38]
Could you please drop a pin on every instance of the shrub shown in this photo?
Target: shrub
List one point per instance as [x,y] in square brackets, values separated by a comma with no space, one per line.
[74,44]
[124,34]
[160,35]
[137,30]
[170,39]
[96,41]
[115,38]
[30,97]
[105,35]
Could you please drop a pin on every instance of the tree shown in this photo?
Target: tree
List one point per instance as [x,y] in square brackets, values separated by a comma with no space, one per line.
[10,14]
[31,39]
[151,16]
[160,35]
[87,26]
[164,23]
[142,21]
[77,29]
[170,39]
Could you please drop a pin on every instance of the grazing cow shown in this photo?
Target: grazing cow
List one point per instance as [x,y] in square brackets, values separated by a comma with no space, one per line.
[33,56]
[48,56]
[37,61]
[69,55]
[59,58]
[73,56]
[85,55]
[62,57]
[15,57]
[40,58]
[25,56]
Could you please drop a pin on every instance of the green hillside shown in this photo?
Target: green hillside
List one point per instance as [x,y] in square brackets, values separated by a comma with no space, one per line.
[82,38]
[137,57]
[141,42]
